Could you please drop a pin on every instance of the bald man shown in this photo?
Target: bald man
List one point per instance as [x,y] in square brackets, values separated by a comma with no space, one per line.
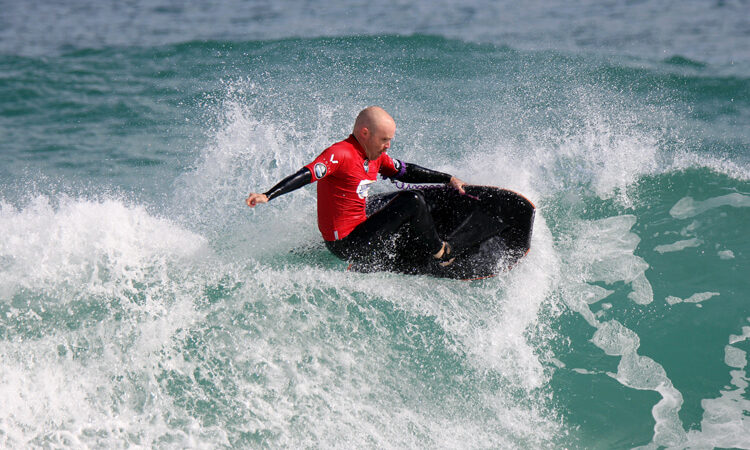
[344,172]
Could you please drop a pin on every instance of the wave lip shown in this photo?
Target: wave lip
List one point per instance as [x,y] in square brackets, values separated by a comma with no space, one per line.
[85,246]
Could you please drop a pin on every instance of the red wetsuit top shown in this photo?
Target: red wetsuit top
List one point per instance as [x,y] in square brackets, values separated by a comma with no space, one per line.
[345,174]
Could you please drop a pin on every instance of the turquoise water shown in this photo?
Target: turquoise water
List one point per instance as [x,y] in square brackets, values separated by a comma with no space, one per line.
[141,303]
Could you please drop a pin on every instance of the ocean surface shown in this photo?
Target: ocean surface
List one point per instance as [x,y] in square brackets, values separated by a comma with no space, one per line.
[142,304]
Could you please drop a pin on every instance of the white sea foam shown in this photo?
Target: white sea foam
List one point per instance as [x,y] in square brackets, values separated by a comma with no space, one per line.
[734,357]
[733,339]
[317,373]
[700,297]
[695,298]
[592,293]
[672,300]
[97,385]
[678,246]
[641,372]
[688,207]
[725,418]
[122,281]
[603,251]
[504,342]
[100,245]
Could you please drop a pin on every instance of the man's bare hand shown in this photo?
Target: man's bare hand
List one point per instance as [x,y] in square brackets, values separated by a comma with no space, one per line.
[457,184]
[255,199]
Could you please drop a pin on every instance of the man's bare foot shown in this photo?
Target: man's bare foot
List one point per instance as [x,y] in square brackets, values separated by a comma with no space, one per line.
[443,256]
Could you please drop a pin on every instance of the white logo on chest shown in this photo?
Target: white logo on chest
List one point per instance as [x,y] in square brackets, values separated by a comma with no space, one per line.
[364,188]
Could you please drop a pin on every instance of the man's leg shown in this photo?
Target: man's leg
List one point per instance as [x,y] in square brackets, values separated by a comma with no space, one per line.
[372,235]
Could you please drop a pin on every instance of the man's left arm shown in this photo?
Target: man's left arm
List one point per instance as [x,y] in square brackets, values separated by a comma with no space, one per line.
[412,173]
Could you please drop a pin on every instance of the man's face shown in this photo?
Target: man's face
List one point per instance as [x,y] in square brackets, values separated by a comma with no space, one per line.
[378,140]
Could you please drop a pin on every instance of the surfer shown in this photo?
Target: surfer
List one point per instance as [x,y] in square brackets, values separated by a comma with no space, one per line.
[345,171]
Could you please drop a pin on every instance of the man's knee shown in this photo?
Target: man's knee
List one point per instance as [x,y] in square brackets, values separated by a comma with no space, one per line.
[414,199]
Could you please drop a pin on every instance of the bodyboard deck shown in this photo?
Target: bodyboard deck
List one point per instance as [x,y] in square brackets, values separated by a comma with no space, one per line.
[489,229]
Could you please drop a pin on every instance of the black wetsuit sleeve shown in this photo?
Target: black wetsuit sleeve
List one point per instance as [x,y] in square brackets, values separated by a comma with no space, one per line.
[413,173]
[290,183]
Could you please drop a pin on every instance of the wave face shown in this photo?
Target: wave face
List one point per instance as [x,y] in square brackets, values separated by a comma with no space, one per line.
[141,303]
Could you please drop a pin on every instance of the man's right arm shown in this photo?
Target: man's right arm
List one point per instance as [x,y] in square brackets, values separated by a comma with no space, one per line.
[295,181]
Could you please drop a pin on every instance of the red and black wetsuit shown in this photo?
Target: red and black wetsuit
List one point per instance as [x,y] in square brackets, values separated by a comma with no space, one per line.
[344,175]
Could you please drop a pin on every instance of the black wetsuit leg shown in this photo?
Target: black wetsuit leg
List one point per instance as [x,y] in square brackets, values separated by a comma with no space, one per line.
[373,236]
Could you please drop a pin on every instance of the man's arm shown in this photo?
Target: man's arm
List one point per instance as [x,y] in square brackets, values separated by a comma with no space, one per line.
[295,181]
[412,173]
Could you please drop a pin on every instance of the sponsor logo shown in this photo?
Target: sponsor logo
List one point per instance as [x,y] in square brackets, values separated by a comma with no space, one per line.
[364,188]
[397,164]
[320,170]
[366,165]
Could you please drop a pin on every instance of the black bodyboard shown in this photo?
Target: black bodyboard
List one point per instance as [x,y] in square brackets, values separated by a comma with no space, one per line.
[489,229]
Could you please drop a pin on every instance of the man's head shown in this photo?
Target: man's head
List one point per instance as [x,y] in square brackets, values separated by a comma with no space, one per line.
[374,129]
